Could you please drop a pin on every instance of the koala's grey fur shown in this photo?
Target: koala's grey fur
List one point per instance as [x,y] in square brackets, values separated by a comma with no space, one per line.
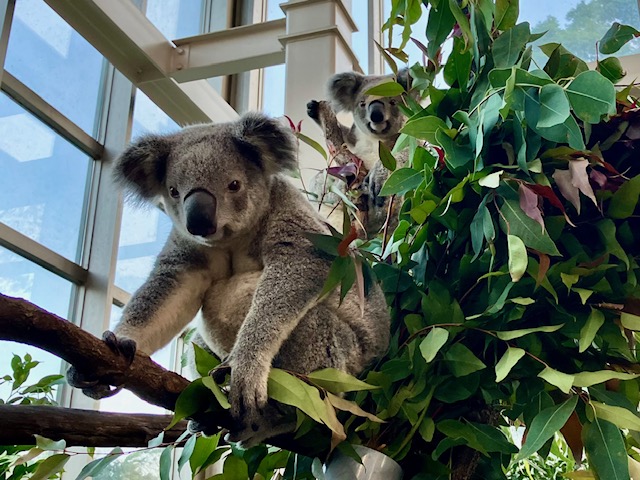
[239,251]
[375,119]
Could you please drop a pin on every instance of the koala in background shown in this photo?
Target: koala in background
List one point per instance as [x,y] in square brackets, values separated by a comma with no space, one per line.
[239,252]
[375,119]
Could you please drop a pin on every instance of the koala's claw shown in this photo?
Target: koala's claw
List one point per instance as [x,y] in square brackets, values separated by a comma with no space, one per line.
[220,372]
[313,110]
[91,386]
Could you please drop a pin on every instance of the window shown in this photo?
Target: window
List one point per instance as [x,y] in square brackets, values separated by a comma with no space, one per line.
[54,61]
[176,18]
[52,175]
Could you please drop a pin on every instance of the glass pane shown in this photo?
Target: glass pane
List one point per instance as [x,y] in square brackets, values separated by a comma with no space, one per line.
[273,9]
[140,465]
[361,40]
[176,18]
[144,229]
[273,88]
[43,181]
[48,56]
[579,24]
[22,278]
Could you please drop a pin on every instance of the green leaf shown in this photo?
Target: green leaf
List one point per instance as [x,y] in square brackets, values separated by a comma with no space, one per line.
[195,398]
[512,334]
[507,12]
[611,69]
[590,329]
[616,37]
[499,77]
[205,362]
[518,258]
[456,155]
[337,381]
[50,466]
[187,451]
[508,46]
[326,243]
[492,180]
[630,321]
[386,157]
[554,106]
[605,449]
[202,451]
[48,444]
[92,469]
[619,416]
[545,425]
[563,381]
[592,96]
[217,392]
[387,89]
[527,229]
[433,342]
[401,181]
[424,128]
[439,26]
[624,201]
[587,379]
[234,469]
[462,20]
[461,361]
[313,144]
[507,362]
[285,388]
[165,463]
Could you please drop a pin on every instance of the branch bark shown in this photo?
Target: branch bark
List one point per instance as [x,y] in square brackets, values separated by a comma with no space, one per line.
[24,322]
[83,428]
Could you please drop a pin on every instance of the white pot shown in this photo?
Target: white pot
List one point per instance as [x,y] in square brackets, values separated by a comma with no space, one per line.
[375,466]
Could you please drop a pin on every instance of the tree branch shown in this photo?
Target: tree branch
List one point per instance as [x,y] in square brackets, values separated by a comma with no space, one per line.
[84,428]
[24,322]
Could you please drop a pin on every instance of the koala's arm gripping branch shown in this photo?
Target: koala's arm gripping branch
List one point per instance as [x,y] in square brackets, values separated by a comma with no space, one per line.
[24,322]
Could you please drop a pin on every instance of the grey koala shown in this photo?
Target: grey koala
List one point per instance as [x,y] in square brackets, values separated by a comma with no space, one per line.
[375,119]
[239,251]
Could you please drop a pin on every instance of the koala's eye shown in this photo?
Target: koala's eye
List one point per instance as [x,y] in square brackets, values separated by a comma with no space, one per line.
[234,186]
[174,192]
[363,104]
[393,102]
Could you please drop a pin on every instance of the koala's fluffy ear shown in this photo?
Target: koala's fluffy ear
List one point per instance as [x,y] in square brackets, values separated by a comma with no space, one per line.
[266,142]
[404,78]
[342,90]
[142,167]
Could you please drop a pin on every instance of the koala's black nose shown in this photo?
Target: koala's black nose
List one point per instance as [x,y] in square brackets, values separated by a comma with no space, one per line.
[200,212]
[376,111]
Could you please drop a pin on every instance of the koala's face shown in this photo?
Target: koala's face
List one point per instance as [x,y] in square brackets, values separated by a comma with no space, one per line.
[379,117]
[213,180]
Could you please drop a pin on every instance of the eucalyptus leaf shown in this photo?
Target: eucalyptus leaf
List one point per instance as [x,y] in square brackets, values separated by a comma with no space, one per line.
[401,181]
[590,329]
[337,381]
[545,424]
[508,47]
[619,416]
[424,128]
[50,466]
[507,362]
[592,96]
[461,361]
[605,449]
[554,106]
[516,222]
[387,89]
[518,258]
[433,342]
[512,334]
[563,381]
[93,468]
[616,37]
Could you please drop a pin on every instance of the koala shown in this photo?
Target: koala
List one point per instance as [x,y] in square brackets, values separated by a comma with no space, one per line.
[375,119]
[239,252]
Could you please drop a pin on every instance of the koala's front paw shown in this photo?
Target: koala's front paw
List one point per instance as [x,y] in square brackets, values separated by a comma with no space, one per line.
[91,385]
[313,110]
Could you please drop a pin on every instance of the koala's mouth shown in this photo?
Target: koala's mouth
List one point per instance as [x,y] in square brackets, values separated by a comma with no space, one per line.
[379,128]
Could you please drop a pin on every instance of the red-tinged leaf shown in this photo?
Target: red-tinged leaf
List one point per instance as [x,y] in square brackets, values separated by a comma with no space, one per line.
[580,179]
[440,152]
[291,124]
[343,172]
[545,263]
[548,193]
[529,203]
[566,187]
[421,46]
[343,246]
[599,179]
[299,127]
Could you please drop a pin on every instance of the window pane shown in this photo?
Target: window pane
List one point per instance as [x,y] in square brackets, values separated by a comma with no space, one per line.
[273,9]
[579,24]
[144,229]
[22,278]
[176,18]
[361,40]
[48,56]
[273,97]
[43,181]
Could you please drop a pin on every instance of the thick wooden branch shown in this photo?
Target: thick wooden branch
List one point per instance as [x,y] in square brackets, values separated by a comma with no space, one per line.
[24,322]
[84,428]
